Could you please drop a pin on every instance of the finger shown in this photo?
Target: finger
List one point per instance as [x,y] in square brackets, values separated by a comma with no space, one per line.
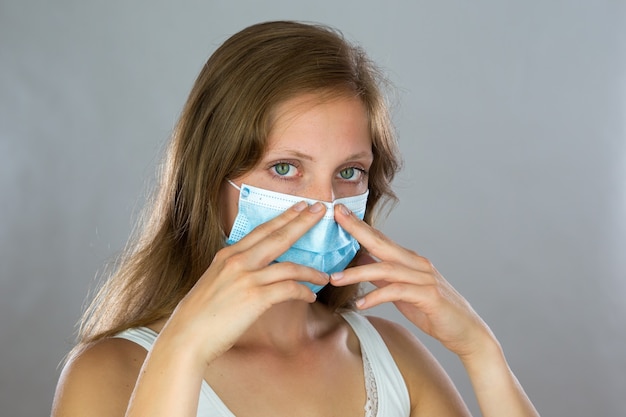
[381,273]
[282,291]
[281,282]
[424,297]
[271,239]
[376,243]
[264,229]
[289,271]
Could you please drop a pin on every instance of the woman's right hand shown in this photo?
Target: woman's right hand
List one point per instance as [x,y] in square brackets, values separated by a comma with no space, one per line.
[242,283]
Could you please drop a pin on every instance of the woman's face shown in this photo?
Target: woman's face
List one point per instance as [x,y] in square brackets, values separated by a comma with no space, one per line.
[317,148]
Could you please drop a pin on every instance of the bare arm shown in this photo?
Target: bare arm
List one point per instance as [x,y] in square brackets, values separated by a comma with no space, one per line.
[496,387]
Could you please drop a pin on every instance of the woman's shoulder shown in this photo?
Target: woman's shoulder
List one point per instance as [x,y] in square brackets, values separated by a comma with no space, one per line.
[108,354]
[98,379]
[399,340]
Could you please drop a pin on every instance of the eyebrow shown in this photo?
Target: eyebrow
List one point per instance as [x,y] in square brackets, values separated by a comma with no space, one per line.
[300,155]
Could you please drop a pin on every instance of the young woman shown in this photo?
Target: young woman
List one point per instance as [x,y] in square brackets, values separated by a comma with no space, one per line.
[236,297]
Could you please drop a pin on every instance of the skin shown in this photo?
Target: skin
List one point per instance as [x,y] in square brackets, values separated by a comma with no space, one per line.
[279,347]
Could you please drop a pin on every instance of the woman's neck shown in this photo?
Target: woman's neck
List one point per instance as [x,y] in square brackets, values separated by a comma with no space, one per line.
[285,328]
[288,327]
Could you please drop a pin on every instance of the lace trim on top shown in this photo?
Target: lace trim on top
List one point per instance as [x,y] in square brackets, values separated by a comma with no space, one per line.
[371,405]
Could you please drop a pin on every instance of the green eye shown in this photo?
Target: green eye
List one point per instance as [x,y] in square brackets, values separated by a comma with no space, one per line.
[347,173]
[282,168]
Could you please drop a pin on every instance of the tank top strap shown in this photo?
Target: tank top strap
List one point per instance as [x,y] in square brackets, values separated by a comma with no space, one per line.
[143,336]
[392,392]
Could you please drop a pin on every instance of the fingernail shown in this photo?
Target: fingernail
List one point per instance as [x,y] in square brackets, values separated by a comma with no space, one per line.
[359,303]
[300,206]
[345,210]
[316,208]
[337,276]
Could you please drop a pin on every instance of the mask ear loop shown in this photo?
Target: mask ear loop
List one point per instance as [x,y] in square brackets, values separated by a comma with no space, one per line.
[233,184]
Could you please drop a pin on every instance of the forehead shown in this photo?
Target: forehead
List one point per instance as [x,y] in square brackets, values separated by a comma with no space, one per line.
[308,120]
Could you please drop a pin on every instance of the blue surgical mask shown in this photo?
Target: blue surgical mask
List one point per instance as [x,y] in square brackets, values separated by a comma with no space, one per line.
[325,247]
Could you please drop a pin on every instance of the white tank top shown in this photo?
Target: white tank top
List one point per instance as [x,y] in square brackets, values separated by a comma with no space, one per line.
[387,394]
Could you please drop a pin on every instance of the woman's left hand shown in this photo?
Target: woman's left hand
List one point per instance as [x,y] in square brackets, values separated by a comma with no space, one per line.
[413,284]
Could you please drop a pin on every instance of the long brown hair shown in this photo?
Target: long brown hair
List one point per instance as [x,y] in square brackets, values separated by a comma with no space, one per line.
[222,134]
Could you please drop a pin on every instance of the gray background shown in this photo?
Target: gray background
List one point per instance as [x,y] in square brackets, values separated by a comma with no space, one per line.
[512,121]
